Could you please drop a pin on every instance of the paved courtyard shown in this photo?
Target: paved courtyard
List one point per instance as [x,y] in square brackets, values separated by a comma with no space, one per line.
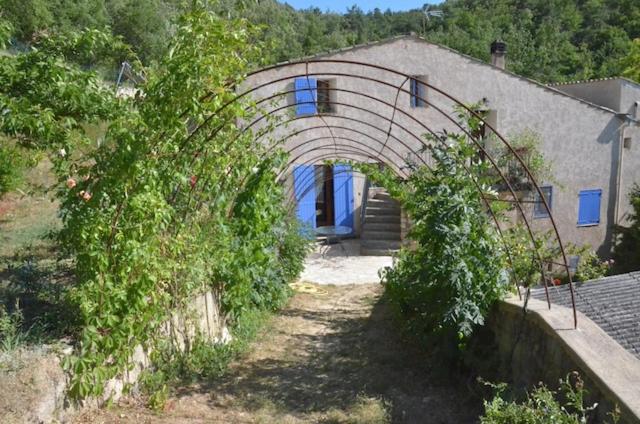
[341,264]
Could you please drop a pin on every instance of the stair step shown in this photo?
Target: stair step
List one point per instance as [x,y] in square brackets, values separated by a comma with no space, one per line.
[385,210]
[382,219]
[377,252]
[382,195]
[380,235]
[381,226]
[381,244]
[386,202]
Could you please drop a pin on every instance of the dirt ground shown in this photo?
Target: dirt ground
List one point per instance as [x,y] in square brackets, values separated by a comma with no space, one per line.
[332,356]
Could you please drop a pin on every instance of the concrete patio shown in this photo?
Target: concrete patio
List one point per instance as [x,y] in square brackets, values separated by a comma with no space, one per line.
[341,264]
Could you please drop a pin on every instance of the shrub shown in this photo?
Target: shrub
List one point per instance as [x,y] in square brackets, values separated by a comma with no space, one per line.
[626,252]
[12,166]
[542,405]
[445,285]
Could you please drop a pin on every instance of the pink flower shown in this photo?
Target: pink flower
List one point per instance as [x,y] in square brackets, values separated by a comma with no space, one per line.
[71,183]
[86,196]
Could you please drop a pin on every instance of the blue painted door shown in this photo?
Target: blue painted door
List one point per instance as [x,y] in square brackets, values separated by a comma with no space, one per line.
[305,191]
[343,195]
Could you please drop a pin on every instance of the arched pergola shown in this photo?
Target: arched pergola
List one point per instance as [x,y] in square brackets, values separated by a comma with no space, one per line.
[387,139]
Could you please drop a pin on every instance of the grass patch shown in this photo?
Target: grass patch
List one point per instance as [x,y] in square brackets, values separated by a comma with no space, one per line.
[204,361]
[366,410]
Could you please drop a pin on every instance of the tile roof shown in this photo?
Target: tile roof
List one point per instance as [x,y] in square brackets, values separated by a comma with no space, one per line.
[587,81]
[611,302]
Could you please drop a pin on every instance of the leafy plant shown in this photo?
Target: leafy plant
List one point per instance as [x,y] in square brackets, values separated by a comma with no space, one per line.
[12,334]
[445,285]
[626,252]
[542,405]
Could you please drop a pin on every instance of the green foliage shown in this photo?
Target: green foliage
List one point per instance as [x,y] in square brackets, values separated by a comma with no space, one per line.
[446,283]
[631,63]
[527,145]
[626,253]
[12,167]
[549,41]
[47,101]
[590,266]
[203,361]
[175,202]
[12,335]
[542,405]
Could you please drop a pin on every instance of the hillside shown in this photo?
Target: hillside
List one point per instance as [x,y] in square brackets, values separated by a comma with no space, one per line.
[549,40]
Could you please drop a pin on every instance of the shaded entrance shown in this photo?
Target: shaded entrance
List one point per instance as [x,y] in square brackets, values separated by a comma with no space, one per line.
[324,195]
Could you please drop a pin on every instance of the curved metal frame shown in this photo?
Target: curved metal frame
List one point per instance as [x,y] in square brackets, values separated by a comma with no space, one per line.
[292,75]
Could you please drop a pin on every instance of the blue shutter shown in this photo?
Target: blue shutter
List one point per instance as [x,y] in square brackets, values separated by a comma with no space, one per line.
[343,195]
[305,191]
[306,96]
[589,207]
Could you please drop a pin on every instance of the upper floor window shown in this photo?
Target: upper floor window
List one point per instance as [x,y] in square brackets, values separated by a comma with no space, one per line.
[326,96]
[418,91]
[589,207]
[539,211]
[314,96]
[306,96]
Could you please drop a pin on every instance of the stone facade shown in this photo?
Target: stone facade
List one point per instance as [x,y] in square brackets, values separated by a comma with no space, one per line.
[581,139]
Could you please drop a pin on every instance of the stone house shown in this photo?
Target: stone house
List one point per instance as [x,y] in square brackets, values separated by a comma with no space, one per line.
[587,131]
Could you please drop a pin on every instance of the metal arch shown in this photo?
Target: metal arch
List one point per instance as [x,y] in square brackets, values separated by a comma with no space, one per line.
[313,140]
[417,138]
[543,200]
[475,114]
[410,149]
[478,145]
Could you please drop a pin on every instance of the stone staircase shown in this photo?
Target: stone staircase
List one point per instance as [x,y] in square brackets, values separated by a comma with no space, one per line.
[381,230]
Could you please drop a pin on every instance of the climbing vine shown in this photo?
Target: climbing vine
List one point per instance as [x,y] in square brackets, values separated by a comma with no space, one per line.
[177,200]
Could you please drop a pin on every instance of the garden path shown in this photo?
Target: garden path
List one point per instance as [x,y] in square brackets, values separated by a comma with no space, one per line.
[333,355]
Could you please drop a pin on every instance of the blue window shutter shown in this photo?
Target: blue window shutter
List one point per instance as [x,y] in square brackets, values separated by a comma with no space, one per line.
[305,191]
[306,96]
[589,207]
[343,195]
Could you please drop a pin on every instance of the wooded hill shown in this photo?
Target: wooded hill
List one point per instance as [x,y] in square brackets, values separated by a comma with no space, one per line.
[548,40]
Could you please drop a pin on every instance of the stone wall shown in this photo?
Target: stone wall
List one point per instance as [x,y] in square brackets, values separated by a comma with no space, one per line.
[38,385]
[542,346]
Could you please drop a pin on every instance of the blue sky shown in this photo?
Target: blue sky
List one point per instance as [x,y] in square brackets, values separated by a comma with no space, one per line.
[366,5]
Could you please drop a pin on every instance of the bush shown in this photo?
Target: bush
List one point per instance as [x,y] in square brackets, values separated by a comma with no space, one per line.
[542,405]
[12,167]
[626,252]
[446,284]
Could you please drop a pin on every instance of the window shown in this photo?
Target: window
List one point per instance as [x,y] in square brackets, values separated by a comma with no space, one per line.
[306,96]
[539,211]
[627,143]
[325,97]
[418,91]
[589,207]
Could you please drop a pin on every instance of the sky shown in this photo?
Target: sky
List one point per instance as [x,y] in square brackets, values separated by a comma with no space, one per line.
[366,5]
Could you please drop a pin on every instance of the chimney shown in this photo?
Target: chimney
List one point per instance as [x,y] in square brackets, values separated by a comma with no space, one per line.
[498,54]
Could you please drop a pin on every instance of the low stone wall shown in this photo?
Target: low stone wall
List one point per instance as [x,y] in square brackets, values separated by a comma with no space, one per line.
[40,385]
[541,345]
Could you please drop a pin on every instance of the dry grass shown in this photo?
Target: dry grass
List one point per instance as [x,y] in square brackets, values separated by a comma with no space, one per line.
[332,356]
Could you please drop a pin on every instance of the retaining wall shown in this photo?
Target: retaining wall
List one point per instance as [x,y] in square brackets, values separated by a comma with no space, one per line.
[542,345]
